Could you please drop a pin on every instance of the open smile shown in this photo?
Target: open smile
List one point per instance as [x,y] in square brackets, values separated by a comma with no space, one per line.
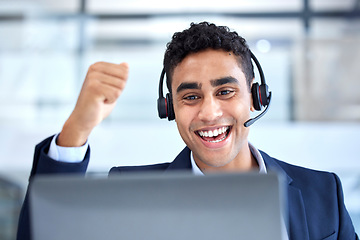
[214,135]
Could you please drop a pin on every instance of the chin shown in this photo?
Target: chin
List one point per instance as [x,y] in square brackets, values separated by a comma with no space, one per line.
[215,162]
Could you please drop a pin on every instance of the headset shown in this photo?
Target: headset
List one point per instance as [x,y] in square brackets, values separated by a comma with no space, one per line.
[260,94]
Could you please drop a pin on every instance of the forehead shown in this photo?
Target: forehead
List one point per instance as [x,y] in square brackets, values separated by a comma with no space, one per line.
[205,66]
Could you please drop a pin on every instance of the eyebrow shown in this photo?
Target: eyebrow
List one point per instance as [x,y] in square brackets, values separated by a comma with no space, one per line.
[214,83]
[188,85]
[223,81]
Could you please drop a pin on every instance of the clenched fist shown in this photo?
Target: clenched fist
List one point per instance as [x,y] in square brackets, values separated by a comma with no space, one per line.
[103,85]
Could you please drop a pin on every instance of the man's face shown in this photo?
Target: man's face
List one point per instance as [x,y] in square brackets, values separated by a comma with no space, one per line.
[211,103]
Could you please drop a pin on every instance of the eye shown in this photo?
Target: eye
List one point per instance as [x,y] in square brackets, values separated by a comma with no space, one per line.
[191,97]
[225,92]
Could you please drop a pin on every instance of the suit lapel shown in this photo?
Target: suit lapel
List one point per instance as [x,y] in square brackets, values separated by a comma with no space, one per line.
[297,217]
[296,210]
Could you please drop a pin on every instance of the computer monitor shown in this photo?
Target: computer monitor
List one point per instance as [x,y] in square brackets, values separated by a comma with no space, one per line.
[157,206]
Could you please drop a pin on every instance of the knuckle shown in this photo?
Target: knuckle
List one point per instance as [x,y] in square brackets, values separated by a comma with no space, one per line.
[93,75]
[119,85]
[93,85]
[92,67]
[96,66]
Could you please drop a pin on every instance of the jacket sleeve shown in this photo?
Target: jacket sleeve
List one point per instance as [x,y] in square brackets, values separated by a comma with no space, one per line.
[42,164]
[346,226]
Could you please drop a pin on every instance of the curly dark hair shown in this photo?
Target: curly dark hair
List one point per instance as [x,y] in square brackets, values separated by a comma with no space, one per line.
[203,36]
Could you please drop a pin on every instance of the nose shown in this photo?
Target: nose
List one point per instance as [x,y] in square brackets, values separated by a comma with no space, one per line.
[210,110]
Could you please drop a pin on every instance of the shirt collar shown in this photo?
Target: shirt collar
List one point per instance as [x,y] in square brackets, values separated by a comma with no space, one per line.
[255,152]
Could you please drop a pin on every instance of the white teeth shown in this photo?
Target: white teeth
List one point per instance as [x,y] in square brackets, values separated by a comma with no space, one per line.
[211,134]
[214,133]
[219,140]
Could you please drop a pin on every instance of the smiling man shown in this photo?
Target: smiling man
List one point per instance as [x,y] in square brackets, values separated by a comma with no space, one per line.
[212,101]
[210,81]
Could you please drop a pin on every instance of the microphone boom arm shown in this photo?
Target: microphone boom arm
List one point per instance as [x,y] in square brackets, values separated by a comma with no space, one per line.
[249,122]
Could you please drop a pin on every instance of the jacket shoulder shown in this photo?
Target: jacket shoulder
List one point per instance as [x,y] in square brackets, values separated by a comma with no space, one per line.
[302,177]
[291,169]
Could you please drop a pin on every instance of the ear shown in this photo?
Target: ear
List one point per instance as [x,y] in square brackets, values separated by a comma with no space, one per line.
[252,108]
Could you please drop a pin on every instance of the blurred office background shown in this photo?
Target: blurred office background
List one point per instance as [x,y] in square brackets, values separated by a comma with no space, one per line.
[308,49]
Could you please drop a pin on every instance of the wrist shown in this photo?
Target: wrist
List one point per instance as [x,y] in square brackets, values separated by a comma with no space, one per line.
[72,136]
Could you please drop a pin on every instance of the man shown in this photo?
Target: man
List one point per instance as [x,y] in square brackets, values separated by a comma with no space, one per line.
[209,77]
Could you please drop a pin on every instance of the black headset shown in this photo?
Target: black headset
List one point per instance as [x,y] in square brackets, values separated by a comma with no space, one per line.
[260,95]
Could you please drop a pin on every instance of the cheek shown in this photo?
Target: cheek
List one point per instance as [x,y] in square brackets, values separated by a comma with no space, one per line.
[183,129]
[182,119]
[239,109]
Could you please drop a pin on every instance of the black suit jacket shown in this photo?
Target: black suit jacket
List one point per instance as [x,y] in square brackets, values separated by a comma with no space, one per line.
[315,199]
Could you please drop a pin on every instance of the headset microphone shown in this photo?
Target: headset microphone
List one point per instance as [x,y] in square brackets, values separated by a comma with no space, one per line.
[260,95]
[249,122]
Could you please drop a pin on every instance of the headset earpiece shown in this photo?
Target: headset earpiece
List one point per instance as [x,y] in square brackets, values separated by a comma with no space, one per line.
[161,105]
[255,96]
[170,107]
[165,105]
[260,95]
